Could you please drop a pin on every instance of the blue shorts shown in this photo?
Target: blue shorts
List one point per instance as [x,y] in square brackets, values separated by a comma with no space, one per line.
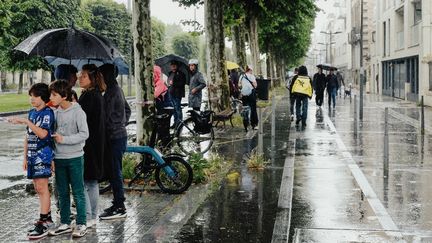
[39,163]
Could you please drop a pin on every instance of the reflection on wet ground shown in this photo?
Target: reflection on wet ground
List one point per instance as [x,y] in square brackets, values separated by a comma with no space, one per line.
[244,210]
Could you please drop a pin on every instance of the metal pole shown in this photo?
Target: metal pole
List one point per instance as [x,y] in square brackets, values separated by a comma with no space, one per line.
[273,132]
[386,144]
[361,61]
[355,116]
[422,122]
[260,131]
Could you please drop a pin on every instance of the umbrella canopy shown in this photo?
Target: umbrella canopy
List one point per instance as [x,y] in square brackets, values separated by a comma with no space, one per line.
[70,44]
[165,62]
[122,66]
[326,66]
[231,65]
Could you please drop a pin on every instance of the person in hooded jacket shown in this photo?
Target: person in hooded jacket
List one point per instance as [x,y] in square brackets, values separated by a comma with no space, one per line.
[117,114]
[93,104]
[196,85]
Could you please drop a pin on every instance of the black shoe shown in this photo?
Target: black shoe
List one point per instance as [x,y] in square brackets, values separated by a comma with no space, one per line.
[116,213]
[297,122]
[109,209]
[303,124]
[39,231]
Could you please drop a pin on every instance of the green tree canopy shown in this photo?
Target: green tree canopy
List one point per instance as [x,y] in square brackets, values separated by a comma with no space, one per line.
[158,38]
[26,17]
[186,45]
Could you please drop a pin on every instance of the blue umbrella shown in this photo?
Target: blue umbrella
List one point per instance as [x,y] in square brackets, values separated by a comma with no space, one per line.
[121,64]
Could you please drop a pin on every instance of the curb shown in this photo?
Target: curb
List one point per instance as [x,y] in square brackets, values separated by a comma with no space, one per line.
[13,113]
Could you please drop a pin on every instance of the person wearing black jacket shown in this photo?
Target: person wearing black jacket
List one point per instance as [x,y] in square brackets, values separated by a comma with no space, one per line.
[319,85]
[176,82]
[117,113]
[93,104]
[332,87]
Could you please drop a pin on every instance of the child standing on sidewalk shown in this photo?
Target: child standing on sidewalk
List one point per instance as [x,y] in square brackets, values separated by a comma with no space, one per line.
[38,153]
[70,137]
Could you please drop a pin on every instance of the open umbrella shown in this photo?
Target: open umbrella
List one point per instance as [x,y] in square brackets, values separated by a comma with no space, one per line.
[231,65]
[122,66]
[72,45]
[165,61]
[325,66]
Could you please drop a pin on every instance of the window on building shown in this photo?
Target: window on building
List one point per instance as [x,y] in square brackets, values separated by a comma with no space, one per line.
[384,39]
[430,76]
[417,11]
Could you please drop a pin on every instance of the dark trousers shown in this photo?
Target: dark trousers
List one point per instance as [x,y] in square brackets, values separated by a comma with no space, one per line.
[118,147]
[178,115]
[332,96]
[292,103]
[251,102]
[301,108]
[319,97]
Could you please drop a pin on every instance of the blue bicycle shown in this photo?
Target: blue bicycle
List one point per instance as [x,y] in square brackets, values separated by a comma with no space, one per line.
[172,173]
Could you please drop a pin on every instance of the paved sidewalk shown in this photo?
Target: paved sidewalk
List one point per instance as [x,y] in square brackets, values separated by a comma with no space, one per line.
[340,193]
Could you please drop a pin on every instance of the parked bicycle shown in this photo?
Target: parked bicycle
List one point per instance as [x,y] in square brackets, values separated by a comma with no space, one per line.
[193,135]
[171,172]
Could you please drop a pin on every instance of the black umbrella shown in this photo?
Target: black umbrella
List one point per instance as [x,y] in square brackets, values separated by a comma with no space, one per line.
[165,61]
[326,66]
[70,44]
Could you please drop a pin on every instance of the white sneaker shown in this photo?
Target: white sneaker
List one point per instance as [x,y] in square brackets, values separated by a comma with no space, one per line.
[79,231]
[91,223]
[62,229]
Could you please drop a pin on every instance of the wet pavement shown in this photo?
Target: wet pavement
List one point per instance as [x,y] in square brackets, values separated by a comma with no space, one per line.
[324,183]
[340,192]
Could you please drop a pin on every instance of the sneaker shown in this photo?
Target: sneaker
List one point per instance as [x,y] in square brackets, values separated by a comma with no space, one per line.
[39,231]
[62,229]
[48,223]
[91,223]
[115,213]
[109,209]
[79,231]
[292,117]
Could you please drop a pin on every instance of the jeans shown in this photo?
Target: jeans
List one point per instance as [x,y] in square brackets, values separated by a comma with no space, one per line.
[178,114]
[71,172]
[118,147]
[251,102]
[301,108]
[332,96]
[292,104]
[92,198]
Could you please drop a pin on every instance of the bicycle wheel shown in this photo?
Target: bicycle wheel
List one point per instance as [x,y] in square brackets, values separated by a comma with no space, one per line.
[131,131]
[191,141]
[182,178]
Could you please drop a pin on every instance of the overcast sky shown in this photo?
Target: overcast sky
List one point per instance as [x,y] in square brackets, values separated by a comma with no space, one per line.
[169,12]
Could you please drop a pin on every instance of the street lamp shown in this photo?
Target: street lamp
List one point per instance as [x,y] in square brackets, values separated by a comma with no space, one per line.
[330,41]
[361,62]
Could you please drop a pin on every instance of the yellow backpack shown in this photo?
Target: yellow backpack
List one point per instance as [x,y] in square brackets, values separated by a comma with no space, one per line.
[302,85]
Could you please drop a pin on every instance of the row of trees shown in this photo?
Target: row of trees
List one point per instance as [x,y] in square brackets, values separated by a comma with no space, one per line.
[21,18]
[279,28]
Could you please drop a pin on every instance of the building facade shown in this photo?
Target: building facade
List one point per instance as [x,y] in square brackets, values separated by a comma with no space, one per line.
[402,43]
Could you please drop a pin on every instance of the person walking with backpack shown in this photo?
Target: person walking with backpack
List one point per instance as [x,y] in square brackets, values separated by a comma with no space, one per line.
[302,89]
[248,91]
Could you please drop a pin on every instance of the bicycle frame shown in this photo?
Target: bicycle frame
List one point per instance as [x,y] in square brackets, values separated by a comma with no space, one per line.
[154,153]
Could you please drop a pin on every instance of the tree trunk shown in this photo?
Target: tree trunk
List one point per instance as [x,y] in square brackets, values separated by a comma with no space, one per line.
[20,82]
[253,44]
[218,81]
[143,61]
[239,45]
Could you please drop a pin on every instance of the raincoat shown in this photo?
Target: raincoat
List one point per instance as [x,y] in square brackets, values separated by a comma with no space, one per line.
[196,82]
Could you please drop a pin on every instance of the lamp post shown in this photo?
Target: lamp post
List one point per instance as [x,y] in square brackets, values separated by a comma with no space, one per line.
[330,41]
[361,62]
